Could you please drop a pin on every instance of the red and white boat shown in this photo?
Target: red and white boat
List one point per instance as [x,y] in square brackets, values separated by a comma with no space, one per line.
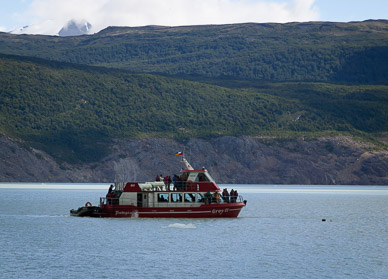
[194,195]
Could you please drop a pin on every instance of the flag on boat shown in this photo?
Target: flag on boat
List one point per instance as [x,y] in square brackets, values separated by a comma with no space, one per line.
[179,153]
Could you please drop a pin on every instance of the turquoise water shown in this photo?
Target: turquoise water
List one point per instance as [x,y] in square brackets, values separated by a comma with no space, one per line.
[279,234]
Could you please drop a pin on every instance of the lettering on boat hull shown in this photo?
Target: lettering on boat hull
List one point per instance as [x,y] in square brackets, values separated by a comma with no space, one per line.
[220,211]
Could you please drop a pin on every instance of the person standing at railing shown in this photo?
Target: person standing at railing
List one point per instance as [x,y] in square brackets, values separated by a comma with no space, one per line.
[216,197]
[110,194]
[175,182]
[208,197]
[165,180]
[225,195]
[235,195]
[169,181]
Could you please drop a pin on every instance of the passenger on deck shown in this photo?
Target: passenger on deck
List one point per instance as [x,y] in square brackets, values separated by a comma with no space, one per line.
[182,182]
[177,185]
[110,195]
[216,197]
[174,180]
[225,195]
[208,198]
[165,180]
[231,195]
[235,195]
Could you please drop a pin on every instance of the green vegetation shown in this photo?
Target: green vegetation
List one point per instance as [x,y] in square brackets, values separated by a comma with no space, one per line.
[246,79]
[72,111]
[321,52]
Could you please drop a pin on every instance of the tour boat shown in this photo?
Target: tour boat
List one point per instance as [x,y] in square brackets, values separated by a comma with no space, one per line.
[194,194]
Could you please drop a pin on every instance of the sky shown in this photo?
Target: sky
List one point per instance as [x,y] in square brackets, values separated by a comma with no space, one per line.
[49,16]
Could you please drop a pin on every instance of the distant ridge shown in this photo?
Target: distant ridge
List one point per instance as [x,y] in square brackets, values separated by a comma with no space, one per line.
[308,51]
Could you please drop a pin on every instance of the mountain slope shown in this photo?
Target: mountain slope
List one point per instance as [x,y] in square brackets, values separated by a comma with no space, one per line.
[293,102]
[72,111]
[355,52]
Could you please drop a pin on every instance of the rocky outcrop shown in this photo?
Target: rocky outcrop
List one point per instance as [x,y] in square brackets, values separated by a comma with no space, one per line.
[256,160]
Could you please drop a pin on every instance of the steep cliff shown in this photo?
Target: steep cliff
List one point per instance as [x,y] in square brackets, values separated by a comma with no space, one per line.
[258,160]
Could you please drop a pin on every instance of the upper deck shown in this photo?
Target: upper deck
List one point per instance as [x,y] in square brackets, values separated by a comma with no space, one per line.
[188,180]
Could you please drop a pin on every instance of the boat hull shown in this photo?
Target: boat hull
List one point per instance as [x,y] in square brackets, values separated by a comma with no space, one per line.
[85,211]
[230,210]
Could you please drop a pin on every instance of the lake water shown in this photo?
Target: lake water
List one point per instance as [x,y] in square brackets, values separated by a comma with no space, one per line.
[279,234]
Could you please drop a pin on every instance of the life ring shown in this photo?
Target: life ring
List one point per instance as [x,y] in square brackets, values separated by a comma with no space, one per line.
[88,204]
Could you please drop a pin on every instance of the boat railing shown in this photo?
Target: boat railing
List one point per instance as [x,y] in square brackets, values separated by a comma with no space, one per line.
[119,186]
[211,200]
[161,186]
[230,199]
[108,200]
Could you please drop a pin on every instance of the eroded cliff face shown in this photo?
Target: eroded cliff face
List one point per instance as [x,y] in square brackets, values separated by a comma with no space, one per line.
[256,160]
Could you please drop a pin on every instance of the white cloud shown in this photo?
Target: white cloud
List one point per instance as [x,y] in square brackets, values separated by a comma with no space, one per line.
[48,16]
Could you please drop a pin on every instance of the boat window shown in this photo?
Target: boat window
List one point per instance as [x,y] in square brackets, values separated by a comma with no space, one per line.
[163,197]
[208,177]
[175,197]
[200,198]
[189,197]
[201,177]
[193,176]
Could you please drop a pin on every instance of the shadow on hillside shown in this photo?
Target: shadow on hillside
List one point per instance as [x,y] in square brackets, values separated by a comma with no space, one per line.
[72,145]
[367,66]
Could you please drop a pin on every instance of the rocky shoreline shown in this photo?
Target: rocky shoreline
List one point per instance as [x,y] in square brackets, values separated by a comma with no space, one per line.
[239,160]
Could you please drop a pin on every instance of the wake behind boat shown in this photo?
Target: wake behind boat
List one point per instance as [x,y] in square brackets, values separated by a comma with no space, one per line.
[194,194]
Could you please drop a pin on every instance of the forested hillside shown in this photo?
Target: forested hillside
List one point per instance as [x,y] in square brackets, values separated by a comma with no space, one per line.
[266,98]
[355,52]
[71,111]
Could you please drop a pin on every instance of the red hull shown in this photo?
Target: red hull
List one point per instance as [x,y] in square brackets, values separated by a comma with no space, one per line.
[230,210]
